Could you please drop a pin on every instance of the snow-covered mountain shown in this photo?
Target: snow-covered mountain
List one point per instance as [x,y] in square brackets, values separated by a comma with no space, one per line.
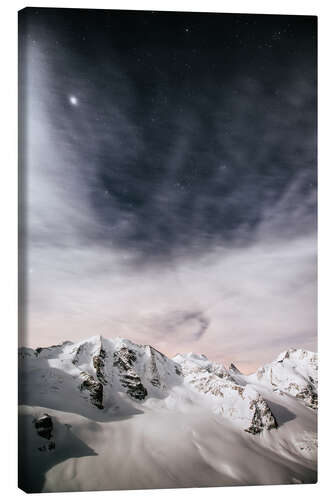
[217,389]
[294,372]
[101,381]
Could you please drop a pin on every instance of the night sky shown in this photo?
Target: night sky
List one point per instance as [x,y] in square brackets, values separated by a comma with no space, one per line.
[169,167]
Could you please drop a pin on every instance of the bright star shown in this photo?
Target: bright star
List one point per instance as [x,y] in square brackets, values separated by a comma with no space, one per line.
[73,100]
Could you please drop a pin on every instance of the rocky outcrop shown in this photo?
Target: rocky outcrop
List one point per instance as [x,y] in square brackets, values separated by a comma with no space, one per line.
[124,360]
[95,389]
[99,364]
[178,370]
[44,426]
[309,395]
[262,416]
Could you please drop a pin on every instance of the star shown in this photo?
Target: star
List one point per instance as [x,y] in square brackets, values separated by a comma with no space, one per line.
[73,100]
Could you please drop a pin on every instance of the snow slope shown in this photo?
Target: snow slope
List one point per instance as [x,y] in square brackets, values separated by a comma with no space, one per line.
[111,414]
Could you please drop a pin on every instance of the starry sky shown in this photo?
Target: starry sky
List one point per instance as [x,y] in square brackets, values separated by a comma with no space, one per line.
[168,180]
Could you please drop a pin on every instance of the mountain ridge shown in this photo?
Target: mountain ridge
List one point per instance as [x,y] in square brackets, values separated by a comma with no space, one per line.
[106,371]
[80,399]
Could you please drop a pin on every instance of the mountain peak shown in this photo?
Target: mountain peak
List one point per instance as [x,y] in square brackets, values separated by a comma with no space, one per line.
[296,354]
[233,368]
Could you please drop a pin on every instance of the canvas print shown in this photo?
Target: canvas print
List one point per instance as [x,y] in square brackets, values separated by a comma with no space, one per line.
[167,239]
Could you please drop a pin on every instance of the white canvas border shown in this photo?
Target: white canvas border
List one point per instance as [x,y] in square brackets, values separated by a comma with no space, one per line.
[9,241]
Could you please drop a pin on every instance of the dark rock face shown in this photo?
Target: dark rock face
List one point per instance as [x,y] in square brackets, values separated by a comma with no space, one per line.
[234,369]
[309,396]
[155,382]
[178,370]
[263,417]
[124,359]
[95,389]
[99,363]
[134,387]
[155,376]
[44,426]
